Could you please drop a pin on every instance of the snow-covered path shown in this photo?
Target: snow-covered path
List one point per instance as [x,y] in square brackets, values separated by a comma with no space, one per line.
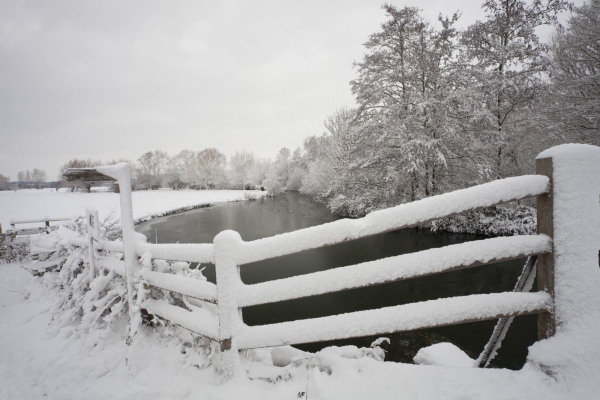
[47,202]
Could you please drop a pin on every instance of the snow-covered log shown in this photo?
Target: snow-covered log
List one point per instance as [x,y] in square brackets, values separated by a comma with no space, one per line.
[405,317]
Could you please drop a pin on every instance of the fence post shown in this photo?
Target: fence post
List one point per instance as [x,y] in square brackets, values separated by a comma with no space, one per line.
[122,173]
[228,281]
[545,264]
[93,234]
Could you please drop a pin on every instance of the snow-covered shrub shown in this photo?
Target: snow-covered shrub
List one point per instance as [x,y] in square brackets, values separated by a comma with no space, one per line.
[250,196]
[491,221]
[294,181]
[86,298]
[11,251]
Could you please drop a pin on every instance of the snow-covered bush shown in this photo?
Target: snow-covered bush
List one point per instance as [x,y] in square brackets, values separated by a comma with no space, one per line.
[11,251]
[94,302]
[491,221]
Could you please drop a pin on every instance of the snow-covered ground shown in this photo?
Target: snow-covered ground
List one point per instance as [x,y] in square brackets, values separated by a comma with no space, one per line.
[47,202]
[43,359]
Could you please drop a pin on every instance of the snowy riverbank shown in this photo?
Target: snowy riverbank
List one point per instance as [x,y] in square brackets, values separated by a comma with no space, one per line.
[47,202]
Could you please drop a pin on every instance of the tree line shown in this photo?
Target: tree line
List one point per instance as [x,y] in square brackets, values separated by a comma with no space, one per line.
[25,179]
[441,109]
[206,169]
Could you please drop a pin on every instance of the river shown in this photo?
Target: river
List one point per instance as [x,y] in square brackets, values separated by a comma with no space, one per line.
[292,211]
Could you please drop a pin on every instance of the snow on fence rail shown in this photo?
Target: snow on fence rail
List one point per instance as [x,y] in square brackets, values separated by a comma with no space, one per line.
[47,220]
[228,252]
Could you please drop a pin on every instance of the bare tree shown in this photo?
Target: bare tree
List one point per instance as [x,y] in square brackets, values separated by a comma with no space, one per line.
[152,167]
[23,179]
[38,176]
[4,182]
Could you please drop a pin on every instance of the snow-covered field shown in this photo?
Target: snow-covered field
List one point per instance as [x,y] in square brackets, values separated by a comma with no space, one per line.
[47,202]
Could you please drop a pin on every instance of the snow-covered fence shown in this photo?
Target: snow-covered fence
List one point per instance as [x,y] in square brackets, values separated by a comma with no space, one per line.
[46,220]
[229,253]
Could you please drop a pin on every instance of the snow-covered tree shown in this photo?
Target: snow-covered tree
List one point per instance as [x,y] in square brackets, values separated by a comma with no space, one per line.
[260,171]
[575,74]
[152,167]
[505,60]
[241,165]
[209,166]
[181,167]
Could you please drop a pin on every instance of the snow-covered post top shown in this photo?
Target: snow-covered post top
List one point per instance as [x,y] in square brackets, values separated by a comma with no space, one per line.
[572,217]
[227,245]
[122,173]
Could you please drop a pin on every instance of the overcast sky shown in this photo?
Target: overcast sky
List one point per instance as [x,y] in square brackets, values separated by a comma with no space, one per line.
[114,79]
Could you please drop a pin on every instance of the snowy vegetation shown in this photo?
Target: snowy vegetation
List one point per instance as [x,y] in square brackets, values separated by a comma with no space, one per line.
[442,109]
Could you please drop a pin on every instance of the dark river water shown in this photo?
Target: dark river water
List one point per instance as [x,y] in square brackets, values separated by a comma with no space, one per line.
[292,211]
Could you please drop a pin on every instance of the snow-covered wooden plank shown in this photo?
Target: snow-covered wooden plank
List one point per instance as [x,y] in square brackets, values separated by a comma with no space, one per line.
[190,252]
[405,317]
[406,266]
[201,290]
[402,216]
[201,322]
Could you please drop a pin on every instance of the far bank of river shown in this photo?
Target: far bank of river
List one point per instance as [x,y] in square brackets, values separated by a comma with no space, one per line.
[292,211]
